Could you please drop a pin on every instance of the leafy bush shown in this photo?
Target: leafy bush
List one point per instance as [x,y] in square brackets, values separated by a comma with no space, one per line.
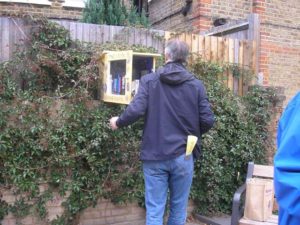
[239,136]
[52,131]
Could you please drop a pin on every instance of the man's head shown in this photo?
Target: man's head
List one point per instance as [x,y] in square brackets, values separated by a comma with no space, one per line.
[176,51]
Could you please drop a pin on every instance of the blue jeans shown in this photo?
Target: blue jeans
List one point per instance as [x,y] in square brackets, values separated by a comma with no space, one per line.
[175,175]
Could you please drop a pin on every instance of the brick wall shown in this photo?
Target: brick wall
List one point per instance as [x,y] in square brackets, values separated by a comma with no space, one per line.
[103,213]
[280,44]
[279,59]
[166,15]
[55,10]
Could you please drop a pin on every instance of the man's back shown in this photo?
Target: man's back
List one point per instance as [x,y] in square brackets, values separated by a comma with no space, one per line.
[173,112]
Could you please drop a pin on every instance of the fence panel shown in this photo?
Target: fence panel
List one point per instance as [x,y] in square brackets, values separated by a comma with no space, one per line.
[242,53]
[236,53]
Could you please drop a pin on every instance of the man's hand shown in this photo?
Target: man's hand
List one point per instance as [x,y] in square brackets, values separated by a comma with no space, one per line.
[112,122]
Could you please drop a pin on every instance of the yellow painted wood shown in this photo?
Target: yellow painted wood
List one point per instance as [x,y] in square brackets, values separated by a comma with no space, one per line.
[107,57]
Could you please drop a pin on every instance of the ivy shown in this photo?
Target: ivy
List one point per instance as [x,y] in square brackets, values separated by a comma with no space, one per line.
[54,131]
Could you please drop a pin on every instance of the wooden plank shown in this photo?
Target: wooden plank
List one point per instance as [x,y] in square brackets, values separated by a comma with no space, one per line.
[1,38]
[201,47]
[214,49]
[188,40]
[254,61]
[263,171]
[132,35]
[207,44]
[226,60]
[79,31]
[246,58]
[231,61]
[137,33]
[236,63]
[143,33]
[105,32]
[5,39]
[149,38]
[220,49]
[92,33]
[86,32]
[220,55]
[73,30]
[241,64]
[100,34]
[195,44]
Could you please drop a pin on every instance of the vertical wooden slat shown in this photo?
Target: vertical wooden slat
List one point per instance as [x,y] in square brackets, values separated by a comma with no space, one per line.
[188,40]
[137,36]
[226,60]
[2,28]
[201,47]
[252,62]
[195,44]
[79,31]
[73,30]
[5,39]
[143,37]
[207,46]
[231,61]
[93,33]
[149,37]
[100,35]
[86,32]
[214,49]
[236,62]
[241,64]
[220,50]
[246,59]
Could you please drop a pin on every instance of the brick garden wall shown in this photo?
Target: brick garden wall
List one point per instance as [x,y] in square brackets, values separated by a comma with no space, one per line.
[279,60]
[55,10]
[103,213]
[166,15]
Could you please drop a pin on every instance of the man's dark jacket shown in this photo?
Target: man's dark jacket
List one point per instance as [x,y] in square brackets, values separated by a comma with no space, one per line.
[174,104]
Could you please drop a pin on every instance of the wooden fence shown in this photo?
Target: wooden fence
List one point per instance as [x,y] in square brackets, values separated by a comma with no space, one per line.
[242,53]
[233,52]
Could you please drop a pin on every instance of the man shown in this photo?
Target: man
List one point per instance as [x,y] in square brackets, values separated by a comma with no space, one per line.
[287,164]
[174,105]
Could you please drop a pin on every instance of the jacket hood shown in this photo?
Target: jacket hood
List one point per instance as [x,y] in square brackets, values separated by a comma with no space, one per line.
[174,73]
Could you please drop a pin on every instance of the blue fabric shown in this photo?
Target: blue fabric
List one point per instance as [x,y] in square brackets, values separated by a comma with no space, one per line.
[175,175]
[287,164]
[174,105]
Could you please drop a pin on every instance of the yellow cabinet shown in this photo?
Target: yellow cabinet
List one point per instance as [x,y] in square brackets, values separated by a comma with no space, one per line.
[121,72]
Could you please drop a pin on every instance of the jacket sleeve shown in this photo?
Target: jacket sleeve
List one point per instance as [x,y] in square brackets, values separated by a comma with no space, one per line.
[206,115]
[137,107]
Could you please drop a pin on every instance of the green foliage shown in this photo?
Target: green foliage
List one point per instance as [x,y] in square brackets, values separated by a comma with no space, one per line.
[113,12]
[239,136]
[53,132]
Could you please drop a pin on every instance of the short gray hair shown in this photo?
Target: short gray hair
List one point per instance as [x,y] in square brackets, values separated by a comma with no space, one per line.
[177,50]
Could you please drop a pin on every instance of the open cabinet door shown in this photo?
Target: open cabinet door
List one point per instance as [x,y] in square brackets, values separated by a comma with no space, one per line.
[116,77]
